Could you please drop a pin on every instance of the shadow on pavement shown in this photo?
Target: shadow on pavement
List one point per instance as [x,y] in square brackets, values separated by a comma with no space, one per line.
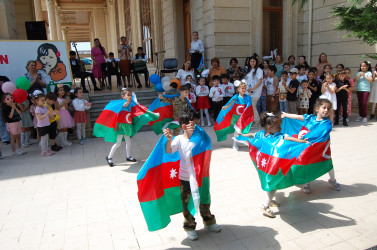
[236,237]
[133,168]
[302,212]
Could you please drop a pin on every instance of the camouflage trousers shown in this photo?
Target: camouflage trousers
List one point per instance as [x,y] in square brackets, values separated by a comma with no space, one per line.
[189,223]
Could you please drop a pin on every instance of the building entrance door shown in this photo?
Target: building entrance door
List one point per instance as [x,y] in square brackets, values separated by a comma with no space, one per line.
[187,27]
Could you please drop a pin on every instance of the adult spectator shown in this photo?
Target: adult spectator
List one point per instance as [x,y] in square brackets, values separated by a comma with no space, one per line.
[184,72]
[196,50]
[35,77]
[322,61]
[279,66]
[291,61]
[254,85]
[124,50]
[139,62]
[4,135]
[234,71]
[216,69]
[78,72]
[303,63]
[98,55]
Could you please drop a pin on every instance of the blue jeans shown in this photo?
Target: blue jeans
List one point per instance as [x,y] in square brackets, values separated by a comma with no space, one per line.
[261,104]
[4,135]
[283,106]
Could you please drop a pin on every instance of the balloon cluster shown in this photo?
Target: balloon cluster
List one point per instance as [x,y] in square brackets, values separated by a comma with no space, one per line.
[163,84]
[18,90]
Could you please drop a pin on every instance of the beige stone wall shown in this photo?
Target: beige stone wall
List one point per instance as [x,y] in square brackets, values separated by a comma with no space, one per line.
[8,27]
[325,37]
[24,12]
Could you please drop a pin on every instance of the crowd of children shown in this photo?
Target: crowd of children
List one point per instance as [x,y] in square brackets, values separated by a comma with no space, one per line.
[49,116]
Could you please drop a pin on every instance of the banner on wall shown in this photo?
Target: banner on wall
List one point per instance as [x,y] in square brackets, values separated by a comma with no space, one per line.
[51,58]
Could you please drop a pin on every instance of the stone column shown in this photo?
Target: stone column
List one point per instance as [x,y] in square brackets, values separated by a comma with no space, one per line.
[64,37]
[38,10]
[108,38]
[112,26]
[256,26]
[122,28]
[136,25]
[51,19]
[157,31]
[58,23]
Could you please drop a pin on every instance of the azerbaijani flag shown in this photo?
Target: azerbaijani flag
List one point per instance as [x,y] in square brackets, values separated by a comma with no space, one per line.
[239,115]
[117,120]
[202,66]
[159,185]
[281,163]
[165,109]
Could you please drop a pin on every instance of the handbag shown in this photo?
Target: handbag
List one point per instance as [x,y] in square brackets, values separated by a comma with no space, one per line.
[140,66]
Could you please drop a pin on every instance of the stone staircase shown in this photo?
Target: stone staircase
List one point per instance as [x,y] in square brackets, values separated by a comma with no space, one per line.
[100,100]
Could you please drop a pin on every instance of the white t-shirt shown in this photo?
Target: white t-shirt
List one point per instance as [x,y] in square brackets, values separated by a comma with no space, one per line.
[183,146]
[270,85]
[301,78]
[251,82]
[331,97]
[182,74]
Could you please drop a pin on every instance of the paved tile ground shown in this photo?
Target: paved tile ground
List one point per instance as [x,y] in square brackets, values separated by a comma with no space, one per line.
[73,200]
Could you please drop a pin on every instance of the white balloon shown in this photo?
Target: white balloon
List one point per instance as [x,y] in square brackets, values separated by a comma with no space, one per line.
[237,83]
[166,85]
[165,78]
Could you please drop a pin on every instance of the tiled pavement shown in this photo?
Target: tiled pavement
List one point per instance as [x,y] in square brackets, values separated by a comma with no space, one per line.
[73,200]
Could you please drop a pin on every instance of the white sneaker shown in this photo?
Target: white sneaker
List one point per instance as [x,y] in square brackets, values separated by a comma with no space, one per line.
[192,235]
[17,153]
[306,188]
[214,228]
[209,124]
[235,147]
[348,119]
[67,144]
[365,120]
[358,119]
[334,184]
[202,124]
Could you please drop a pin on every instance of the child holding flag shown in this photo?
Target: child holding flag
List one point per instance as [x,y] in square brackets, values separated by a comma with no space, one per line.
[272,125]
[188,183]
[323,108]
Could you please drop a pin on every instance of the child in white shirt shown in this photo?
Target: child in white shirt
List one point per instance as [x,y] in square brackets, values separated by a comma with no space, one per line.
[228,88]
[217,95]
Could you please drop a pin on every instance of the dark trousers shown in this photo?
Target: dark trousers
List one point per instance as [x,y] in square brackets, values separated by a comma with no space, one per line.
[146,75]
[189,223]
[84,75]
[362,99]
[119,80]
[341,101]
[217,106]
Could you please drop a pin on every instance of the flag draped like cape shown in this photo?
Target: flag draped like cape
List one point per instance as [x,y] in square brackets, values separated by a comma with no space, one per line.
[281,163]
[239,116]
[159,185]
[118,120]
[165,109]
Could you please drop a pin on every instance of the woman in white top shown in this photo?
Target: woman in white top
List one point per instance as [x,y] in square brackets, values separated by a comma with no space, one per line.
[184,72]
[196,50]
[254,85]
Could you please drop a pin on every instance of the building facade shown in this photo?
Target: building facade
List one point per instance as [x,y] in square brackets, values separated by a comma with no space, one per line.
[228,28]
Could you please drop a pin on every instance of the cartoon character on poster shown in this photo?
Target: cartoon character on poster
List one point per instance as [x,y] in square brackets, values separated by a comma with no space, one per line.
[49,63]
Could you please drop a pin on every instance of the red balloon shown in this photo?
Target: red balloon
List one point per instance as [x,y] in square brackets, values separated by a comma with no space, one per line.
[19,96]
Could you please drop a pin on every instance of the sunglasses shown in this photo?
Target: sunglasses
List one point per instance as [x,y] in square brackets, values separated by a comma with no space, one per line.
[9,98]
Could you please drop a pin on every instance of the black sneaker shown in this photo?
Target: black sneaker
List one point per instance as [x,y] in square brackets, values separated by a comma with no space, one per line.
[6,142]
[336,123]
[131,159]
[55,148]
[139,86]
[109,161]
[371,117]
[97,89]
[85,91]
[345,123]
